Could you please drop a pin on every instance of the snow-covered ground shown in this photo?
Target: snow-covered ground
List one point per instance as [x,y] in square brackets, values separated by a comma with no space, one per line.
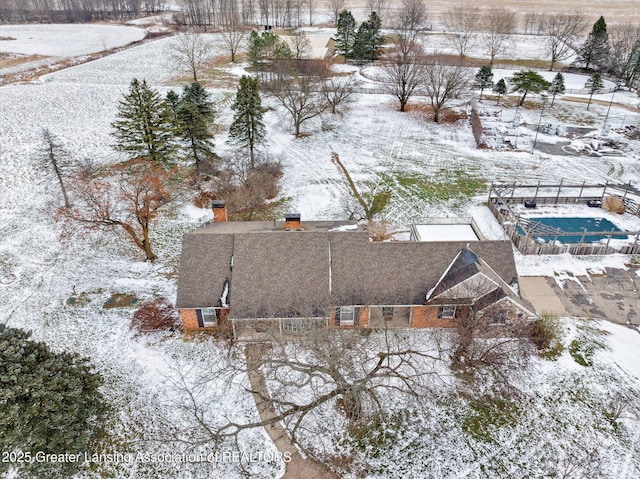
[66,40]
[382,148]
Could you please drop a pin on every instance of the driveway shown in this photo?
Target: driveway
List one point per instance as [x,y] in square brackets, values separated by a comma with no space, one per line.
[613,295]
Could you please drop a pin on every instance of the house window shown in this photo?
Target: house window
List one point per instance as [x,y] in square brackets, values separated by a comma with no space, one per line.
[387,313]
[209,317]
[295,325]
[500,318]
[347,316]
[447,312]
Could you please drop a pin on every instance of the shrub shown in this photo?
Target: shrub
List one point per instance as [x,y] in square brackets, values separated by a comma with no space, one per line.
[155,315]
[546,334]
[614,205]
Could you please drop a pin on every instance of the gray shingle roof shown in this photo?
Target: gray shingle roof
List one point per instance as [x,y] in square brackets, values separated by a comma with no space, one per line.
[278,273]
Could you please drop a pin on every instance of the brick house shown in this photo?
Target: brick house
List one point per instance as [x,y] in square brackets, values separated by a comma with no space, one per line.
[285,277]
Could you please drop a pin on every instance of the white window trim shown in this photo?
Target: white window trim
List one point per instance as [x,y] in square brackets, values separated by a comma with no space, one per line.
[447,307]
[348,310]
[210,312]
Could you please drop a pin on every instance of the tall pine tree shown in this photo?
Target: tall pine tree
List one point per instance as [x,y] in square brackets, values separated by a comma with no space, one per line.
[144,126]
[346,34]
[595,51]
[247,129]
[368,39]
[193,115]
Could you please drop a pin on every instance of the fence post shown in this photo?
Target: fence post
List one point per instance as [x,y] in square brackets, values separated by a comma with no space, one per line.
[559,189]
[609,238]
[537,188]
[626,190]
[581,188]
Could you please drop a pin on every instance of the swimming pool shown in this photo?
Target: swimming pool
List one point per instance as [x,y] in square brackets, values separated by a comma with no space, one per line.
[577,225]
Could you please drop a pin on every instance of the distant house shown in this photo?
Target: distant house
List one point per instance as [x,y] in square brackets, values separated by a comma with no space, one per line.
[256,278]
[316,49]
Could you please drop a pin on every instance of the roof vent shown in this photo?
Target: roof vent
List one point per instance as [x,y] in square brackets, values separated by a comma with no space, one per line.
[292,221]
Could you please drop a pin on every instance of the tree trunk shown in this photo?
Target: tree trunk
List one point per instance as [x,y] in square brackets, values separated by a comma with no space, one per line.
[522,99]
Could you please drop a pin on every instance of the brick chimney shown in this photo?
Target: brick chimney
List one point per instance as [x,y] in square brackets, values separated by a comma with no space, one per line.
[292,221]
[219,208]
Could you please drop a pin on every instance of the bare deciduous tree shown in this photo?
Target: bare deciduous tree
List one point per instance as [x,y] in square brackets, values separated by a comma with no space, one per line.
[491,342]
[335,7]
[499,24]
[380,7]
[625,52]
[296,380]
[561,32]
[233,34]
[128,199]
[301,98]
[462,25]
[411,19]
[404,70]
[54,156]
[192,51]
[442,83]
[336,92]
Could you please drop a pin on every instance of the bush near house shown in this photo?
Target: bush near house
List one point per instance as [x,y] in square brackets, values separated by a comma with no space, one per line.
[155,315]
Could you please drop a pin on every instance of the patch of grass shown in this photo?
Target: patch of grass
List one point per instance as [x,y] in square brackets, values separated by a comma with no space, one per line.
[378,435]
[589,340]
[444,186]
[488,413]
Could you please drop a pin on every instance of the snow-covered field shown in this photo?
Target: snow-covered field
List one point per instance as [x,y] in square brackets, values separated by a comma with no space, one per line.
[66,40]
[382,148]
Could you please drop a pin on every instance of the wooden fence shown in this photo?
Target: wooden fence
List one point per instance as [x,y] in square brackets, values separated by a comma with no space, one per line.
[522,232]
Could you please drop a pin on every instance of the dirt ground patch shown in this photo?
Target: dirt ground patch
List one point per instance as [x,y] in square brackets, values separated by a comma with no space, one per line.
[8,60]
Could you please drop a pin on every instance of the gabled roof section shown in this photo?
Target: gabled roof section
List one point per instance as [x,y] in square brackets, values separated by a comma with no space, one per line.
[465,265]
[471,279]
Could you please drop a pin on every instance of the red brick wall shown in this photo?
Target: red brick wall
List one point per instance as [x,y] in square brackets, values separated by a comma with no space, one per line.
[427,317]
[190,320]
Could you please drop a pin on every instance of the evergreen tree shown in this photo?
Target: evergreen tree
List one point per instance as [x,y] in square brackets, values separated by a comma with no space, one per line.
[557,87]
[596,48]
[368,40]
[594,85]
[143,126]
[256,46]
[484,78]
[173,101]
[247,129]
[500,89]
[267,48]
[194,114]
[346,34]
[49,402]
[528,81]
